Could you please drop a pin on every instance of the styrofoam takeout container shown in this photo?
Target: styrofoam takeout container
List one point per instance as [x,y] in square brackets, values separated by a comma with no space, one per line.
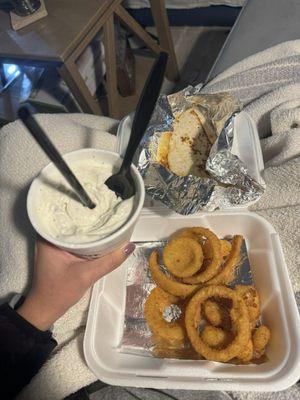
[279,311]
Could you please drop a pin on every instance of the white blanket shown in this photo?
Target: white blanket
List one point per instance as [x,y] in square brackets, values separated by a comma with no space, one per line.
[20,160]
[269,83]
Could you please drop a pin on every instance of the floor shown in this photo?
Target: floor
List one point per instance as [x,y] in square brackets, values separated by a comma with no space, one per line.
[196,49]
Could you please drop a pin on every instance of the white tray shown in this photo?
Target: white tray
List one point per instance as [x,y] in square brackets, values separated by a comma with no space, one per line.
[279,311]
[245,145]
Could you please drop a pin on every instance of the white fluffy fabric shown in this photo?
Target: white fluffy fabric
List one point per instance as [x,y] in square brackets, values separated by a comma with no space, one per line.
[20,160]
[268,83]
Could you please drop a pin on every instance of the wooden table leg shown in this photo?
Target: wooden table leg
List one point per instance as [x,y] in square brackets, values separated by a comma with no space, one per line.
[133,26]
[111,68]
[79,89]
[160,17]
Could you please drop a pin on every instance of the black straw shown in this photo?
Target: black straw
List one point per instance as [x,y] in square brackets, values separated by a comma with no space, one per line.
[43,140]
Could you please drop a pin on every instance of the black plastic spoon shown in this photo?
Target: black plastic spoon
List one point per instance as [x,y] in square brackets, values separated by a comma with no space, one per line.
[122,182]
[25,113]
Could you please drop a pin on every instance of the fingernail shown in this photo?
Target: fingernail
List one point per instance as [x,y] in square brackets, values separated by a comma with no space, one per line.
[129,249]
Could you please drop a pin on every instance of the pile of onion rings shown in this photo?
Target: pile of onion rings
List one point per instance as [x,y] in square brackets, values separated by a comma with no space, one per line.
[215,322]
[194,257]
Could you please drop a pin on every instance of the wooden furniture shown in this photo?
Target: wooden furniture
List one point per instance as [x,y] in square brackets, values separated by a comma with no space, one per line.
[59,39]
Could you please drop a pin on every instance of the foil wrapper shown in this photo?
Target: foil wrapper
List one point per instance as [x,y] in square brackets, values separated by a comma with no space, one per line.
[137,336]
[228,182]
[172,313]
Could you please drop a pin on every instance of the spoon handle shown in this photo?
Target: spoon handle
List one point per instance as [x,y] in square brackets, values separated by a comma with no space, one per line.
[43,140]
[145,107]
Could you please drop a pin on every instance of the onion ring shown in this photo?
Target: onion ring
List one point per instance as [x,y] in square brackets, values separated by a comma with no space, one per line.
[183,257]
[216,337]
[226,275]
[240,321]
[169,284]
[251,298]
[225,249]
[170,333]
[187,233]
[215,262]
[206,247]
[260,338]
[246,354]
[216,314]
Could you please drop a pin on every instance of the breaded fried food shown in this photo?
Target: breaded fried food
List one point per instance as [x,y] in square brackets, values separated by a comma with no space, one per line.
[183,256]
[227,272]
[240,323]
[216,337]
[188,233]
[250,296]
[260,338]
[216,314]
[164,333]
[169,283]
[246,354]
[213,266]
[225,249]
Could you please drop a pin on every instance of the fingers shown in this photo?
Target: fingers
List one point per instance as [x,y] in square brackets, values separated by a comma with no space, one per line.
[108,263]
[50,250]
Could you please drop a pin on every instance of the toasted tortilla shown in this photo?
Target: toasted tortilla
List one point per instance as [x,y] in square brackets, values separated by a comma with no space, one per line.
[189,146]
[163,149]
[207,126]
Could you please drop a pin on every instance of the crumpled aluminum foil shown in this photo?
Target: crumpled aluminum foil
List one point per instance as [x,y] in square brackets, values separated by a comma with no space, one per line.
[136,337]
[171,313]
[228,183]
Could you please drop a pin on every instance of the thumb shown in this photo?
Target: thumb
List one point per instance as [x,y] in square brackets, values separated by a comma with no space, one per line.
[108,263]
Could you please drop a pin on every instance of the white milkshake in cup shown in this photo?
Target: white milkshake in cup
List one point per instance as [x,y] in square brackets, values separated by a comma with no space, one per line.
[59,217]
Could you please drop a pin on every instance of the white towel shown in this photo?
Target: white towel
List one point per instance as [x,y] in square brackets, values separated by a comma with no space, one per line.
[20,160]
[269,85]
[285,117]
[274,72]
[284,143]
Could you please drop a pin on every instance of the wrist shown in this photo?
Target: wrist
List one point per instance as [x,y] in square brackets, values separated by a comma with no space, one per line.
[33,311]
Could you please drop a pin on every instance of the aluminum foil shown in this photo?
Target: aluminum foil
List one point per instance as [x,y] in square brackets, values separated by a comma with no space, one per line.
[227,183]
[136,334]
[172,313]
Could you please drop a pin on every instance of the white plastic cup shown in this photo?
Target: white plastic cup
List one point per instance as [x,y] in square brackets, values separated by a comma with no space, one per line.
[102,246]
